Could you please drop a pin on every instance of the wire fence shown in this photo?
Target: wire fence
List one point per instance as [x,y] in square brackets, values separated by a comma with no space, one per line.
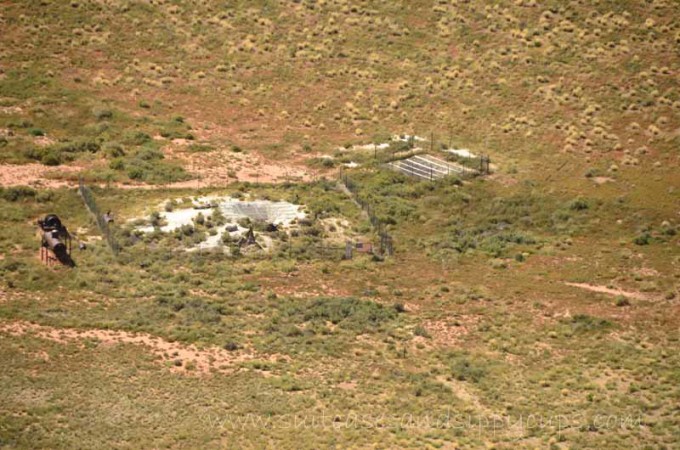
[406,155]
[102,223]
[386,241]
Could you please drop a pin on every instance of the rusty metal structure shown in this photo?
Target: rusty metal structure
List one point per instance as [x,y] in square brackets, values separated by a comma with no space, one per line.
[55,245]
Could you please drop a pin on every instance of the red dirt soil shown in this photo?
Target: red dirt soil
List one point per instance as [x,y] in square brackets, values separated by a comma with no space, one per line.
[204,361]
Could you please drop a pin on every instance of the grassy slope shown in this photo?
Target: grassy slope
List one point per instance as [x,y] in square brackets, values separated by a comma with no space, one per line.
[486,331]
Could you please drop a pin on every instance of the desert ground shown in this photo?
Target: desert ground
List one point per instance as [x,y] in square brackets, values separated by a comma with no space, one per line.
[340,224]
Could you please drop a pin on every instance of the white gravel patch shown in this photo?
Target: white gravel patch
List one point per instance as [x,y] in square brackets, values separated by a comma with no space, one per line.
[463,152]
[281,214]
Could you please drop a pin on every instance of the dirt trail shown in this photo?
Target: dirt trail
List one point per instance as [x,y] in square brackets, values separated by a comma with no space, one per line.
[204,361]
[611,291]
[35,175]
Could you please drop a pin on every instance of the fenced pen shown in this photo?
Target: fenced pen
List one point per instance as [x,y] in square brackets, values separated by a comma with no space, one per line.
[427,167]
[431,168]
[430,160]
[102,224]
[386,246]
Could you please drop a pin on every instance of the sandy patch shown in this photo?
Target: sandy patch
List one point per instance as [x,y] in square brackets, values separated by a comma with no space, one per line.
[35,175]
[212,359]
[220,167]
[463,152]
[450,331]
[43,141]
[602,180]
[611,291]
[282,214]
[461,390]
[11,110]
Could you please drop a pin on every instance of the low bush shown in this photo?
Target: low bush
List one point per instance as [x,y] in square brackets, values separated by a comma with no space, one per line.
[16,193]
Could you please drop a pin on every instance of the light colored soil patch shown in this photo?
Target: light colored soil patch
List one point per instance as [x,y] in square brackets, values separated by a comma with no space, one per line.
[204,361]
[602,180]
[10,110]
[35,175]
[282,214]
[611,291]
[462,392]
[338,230]
[43,141]
[348,385]
[450,331]
[222,166]
[503,179]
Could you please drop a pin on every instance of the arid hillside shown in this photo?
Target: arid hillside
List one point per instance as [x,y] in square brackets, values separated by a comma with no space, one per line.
[340,224]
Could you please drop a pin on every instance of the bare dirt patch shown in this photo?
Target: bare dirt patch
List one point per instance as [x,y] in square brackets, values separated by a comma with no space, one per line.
[35,175]
[222,166]
[602,180]
[611,291]
[193,359]
[450,331]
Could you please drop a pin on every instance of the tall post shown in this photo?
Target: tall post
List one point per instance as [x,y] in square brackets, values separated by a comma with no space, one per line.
[348,250]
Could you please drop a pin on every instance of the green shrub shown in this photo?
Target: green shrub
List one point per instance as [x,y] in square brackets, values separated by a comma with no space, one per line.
[585,323]
[117,164]
[44,196]
[348,313]
[102,113]
[16,193]
[643,239]
[421,331]
[57,154]
[231,346]
[327,163]
[136,138]
[579,205]
[52,158]
[622,301]
[135,173]
[465,369]
[113,150]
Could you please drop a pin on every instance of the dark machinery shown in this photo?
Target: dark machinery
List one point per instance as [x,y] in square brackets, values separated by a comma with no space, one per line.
[55,241]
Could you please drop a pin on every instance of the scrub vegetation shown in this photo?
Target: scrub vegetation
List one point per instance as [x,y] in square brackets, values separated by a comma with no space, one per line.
[534,307]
